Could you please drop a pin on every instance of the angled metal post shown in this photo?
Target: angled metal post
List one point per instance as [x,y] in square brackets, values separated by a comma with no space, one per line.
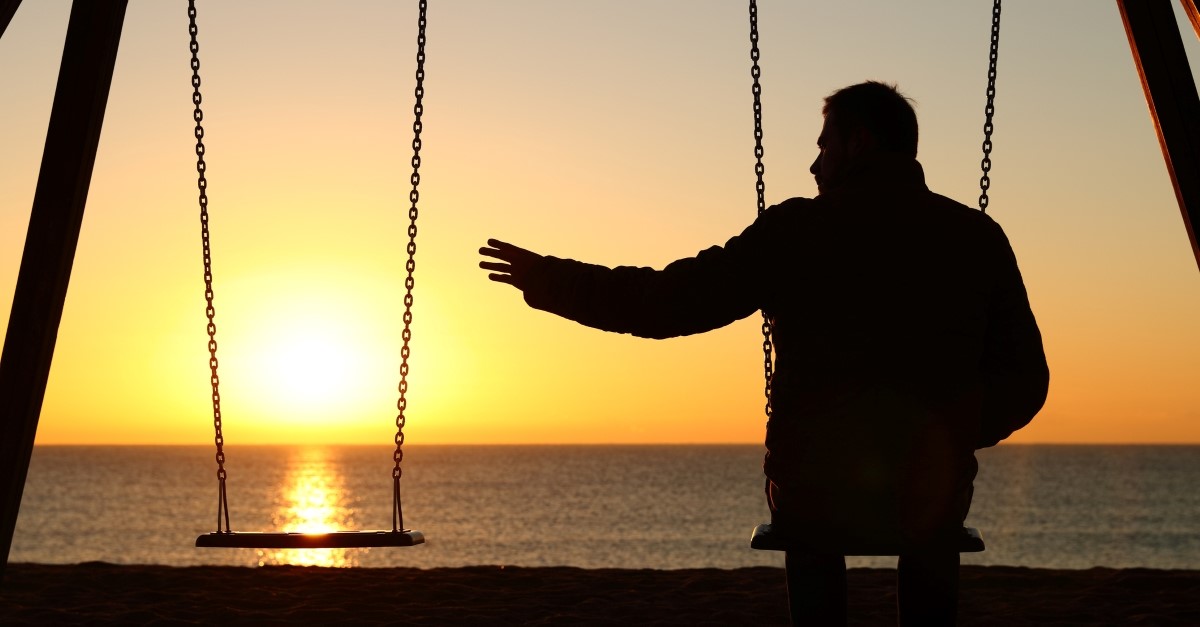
[7,9]
[76,116]
[1189,7]
[1162,64]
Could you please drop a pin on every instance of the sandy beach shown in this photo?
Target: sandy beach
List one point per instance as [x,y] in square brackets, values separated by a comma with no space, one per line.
[107,594]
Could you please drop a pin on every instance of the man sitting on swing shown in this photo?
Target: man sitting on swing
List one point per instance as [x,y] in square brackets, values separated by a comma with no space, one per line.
[904,339]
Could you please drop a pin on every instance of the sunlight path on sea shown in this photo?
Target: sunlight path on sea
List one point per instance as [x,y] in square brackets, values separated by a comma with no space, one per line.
[312,499]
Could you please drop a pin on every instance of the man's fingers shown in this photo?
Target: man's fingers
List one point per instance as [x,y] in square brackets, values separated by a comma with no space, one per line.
[497,248]
[498,267]
[507,263]
[506,253]
[502,278]
[490,252]
[505,250]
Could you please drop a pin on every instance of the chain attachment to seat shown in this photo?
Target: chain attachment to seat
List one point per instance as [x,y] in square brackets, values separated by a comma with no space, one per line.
[209,310]
[409,266]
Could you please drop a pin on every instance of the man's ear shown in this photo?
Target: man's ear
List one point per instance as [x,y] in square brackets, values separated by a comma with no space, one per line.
[861,141]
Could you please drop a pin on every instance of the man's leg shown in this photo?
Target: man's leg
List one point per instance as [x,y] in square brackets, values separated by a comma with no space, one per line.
[927,588]
[816,586]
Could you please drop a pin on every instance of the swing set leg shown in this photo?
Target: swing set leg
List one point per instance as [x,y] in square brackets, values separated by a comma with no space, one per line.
[1162,64]
[76,117]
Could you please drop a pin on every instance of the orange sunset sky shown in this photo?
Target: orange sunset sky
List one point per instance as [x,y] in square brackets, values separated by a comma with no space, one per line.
[612,132]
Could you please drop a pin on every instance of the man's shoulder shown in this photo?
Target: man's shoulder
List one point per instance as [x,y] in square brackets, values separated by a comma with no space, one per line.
[791,216]
[798,202]
[962,213]
[791,204]
[842,207]
[948,203]
[791,208]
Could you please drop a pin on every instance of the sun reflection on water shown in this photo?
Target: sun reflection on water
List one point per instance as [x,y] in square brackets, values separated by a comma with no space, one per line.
[312,499]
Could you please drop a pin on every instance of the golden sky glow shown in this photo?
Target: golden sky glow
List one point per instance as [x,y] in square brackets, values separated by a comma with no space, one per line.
[617,133]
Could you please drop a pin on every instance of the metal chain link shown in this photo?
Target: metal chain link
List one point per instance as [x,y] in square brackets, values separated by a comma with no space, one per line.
[759,169]
[410,266]
[210,311]
[985,181]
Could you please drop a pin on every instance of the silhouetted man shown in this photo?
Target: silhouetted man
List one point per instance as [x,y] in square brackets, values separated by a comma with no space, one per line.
[904,341]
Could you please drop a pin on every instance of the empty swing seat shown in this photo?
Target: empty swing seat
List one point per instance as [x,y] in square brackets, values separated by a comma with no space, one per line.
[295,540]
[767,538]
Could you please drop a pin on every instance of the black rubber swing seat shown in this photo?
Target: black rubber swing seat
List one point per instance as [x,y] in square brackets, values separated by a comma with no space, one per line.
[296,540]
[767,538]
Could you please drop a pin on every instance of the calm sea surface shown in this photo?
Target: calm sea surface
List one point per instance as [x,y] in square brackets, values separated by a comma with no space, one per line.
[586,506]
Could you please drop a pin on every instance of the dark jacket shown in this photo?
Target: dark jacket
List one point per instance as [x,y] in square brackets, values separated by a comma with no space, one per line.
[904,341]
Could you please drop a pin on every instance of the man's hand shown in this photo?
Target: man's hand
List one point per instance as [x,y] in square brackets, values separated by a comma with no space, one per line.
[514,265]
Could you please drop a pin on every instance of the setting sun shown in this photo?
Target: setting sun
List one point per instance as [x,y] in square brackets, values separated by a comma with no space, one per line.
[304,356]
[306,369]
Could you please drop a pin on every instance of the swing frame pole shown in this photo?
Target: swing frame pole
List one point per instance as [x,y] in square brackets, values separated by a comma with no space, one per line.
[7,9]
[1162,66]
[73,134]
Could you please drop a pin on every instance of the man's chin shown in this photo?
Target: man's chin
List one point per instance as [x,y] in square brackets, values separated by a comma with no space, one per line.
[824,187]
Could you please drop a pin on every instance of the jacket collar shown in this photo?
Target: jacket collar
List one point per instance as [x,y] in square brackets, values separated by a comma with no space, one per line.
[884,173]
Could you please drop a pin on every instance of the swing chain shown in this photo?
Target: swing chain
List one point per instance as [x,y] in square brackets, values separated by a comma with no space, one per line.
[410,266]
[985,181]
[760,187]
[210,311]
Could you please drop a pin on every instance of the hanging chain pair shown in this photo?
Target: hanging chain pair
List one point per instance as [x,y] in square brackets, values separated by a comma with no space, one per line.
[985,181]
[409,266]
[210,311]
[759,169]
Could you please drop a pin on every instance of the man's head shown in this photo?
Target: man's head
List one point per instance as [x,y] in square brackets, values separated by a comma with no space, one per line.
[861,120]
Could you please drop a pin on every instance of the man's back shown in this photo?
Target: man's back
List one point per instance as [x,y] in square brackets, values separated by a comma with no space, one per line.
[887,300]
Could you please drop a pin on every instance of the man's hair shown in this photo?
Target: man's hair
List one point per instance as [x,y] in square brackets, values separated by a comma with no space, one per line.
[881,109]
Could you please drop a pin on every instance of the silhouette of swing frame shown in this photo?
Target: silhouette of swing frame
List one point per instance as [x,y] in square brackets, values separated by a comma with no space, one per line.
[73,133]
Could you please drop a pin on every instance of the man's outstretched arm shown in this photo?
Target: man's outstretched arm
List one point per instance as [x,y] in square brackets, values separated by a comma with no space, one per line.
[691,295]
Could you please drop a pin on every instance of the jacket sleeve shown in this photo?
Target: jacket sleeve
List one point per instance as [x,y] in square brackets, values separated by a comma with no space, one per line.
[1015,374]
[716,287]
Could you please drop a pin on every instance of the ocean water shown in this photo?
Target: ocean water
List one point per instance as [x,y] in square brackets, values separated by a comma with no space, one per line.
[588,506]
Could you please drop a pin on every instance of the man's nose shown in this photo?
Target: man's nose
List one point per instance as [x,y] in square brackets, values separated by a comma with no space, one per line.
[815,168]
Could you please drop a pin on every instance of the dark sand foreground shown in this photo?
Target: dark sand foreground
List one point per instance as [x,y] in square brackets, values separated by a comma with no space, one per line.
[100,594]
